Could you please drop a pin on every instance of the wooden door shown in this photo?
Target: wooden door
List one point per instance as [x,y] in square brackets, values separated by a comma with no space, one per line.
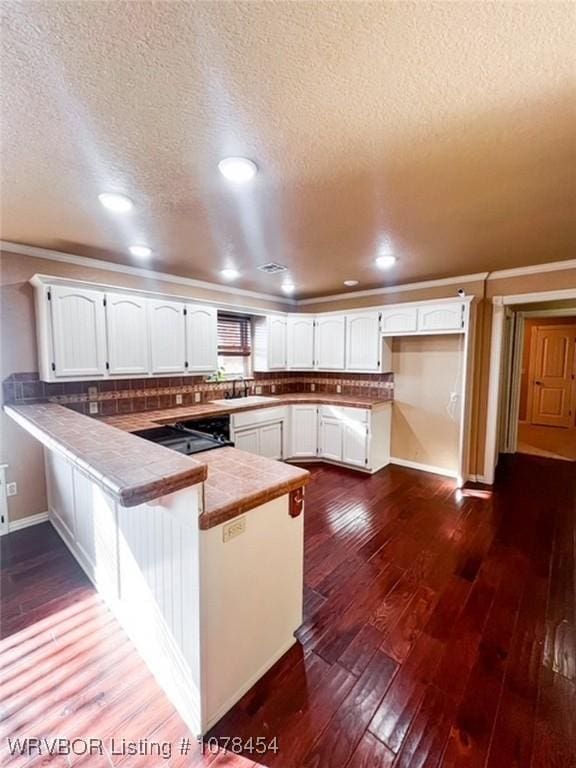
[552,376]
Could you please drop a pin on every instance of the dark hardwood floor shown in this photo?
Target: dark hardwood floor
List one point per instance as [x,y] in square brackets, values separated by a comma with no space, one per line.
[439,630]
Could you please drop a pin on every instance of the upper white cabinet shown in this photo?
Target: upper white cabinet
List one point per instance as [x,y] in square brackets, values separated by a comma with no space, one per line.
[303,431]
[363,342]
[330,342]
[398,320]
[434,318]
[300,342]
[77,345]
[201,338]
[126,323]
[167,329]
[277,340]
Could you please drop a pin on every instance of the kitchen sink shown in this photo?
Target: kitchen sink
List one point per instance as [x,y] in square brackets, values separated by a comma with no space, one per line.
[242,402]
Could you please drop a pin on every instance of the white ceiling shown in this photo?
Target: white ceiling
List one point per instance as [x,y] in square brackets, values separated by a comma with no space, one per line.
[445,131]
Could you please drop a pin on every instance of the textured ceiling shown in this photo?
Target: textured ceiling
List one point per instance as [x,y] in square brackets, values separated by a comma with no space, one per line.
[444,130]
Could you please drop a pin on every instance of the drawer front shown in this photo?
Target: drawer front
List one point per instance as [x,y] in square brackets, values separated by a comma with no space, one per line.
[345,413]
[259,416]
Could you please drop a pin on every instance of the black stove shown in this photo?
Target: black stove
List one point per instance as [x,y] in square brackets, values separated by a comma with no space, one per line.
[182,438]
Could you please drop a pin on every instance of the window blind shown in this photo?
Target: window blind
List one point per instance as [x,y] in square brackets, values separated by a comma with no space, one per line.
[234,335]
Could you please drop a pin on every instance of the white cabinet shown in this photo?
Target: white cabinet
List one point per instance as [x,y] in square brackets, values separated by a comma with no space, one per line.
[127,330]
[276,342]
[78,332]
[398,320]
[300,342]
[434,318]
[330,340]
[60,488]
[271,440]
[201,338]
[330,437]
[247,440]
[303,431]
[167,330]
[363,342]
[355,443]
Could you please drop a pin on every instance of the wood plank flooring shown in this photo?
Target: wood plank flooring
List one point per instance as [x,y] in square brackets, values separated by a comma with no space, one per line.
[440,630]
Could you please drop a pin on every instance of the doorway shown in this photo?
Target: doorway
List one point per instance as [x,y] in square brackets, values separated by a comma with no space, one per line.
[547,407]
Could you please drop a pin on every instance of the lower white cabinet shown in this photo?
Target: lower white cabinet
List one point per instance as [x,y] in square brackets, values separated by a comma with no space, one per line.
[303,431]
[330,444]
[260,431]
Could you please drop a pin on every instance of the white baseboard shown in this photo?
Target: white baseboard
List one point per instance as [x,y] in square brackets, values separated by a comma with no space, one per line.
[26,522]
[424,467]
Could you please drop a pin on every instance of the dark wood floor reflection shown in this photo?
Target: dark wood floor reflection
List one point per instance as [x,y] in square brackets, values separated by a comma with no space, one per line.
[439,630]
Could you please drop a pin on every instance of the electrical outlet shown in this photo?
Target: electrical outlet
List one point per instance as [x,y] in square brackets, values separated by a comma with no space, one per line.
[273,388]
[233,528]
[257,390]
[92,408]
[11,489]
[92,393]
[338,389]
[312,387]
[178,399]
[197,397]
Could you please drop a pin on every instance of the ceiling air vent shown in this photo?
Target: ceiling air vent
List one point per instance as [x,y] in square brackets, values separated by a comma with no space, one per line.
[272,268]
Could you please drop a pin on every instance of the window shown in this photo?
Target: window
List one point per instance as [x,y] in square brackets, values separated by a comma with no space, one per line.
[235,344]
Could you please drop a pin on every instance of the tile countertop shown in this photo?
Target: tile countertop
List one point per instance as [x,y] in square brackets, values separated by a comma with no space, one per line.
[132,422]
[131,470]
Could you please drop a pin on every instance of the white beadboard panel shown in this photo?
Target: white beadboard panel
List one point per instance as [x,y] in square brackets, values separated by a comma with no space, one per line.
[126,320]
[60,489]
[78,332]
[159,593]
[167,325]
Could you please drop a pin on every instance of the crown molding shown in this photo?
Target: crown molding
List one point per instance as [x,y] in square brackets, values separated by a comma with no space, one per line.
[535,269]
[110,266]
[476,278]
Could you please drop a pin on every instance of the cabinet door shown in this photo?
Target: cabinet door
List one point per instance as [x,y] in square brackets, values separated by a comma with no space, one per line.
[304,430]
[201,338]
[78,332]
[355,443]
[441,317]
[270,438]
[247,440]
[331,438]
[167,325]
[330,338]
[59,483]
[301,342]
[276,342]
[363,342]
[127,327]
[398,320]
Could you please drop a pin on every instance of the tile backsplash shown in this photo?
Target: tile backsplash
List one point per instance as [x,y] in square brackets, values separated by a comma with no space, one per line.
[116,396]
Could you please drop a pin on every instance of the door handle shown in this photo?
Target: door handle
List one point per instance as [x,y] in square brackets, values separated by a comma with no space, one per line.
[538,383]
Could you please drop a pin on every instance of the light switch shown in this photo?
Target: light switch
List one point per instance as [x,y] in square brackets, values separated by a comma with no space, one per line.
[197,397]
[92,408]
[178,399]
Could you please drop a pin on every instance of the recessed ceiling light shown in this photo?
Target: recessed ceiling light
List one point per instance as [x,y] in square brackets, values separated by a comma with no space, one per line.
[350,283]
[238,169]
[288,287]
[140,251]
[230,274]
[114,202]
[385,262]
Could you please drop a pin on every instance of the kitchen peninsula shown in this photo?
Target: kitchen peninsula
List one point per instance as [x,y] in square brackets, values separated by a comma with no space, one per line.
[207,584]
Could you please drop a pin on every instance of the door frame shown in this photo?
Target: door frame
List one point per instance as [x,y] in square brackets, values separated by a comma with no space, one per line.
[502,412]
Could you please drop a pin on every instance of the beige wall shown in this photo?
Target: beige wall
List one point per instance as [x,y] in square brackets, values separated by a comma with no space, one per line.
[425,425]
[18,347]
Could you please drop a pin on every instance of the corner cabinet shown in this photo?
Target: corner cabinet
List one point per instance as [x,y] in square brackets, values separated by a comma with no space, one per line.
[300,344]
[74,342]
[87,333]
